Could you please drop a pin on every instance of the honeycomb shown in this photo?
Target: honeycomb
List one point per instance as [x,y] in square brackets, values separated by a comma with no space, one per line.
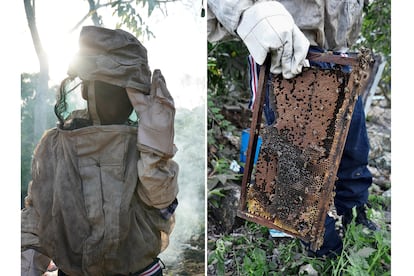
[292,187]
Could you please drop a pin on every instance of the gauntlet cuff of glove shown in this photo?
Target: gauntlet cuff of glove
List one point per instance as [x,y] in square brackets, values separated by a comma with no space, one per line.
[159,142]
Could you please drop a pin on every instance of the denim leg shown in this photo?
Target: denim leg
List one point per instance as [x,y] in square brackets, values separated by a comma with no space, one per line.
[354,178]
[332,243]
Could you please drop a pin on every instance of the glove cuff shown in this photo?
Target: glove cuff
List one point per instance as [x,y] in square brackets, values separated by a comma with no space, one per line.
[160,142]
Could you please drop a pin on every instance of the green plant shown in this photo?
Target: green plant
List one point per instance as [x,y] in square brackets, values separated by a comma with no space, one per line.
[220,165]
[214,196]
[218,256]
[226,67]
[255,262]
[246,254]
[376,35]
[217,124]
[379,202]
[365,252]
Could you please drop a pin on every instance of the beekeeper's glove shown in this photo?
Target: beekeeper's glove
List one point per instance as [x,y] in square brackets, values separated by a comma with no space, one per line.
[267,27]
[156,114]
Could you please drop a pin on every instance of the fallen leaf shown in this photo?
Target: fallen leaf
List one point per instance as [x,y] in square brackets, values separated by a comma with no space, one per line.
[365,252]
[308,268]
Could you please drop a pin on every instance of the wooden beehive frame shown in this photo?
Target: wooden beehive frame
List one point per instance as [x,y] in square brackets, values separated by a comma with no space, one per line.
[292,187]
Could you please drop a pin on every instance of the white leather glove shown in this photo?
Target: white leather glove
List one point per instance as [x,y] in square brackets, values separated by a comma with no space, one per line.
[267,27]
[156,114]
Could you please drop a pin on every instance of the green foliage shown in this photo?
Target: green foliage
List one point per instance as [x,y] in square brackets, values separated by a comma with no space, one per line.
[245,255]
[255,263]
[226,72]
[376,26]
[365,252]
[251,252]
[218,256]
[376,35]
[213,196]
[221,166]
[217,180]
[227,83]
[134,20]
[227,64]
[379,202]
[216,122]
[213,119]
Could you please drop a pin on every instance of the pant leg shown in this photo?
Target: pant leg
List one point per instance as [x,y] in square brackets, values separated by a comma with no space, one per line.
[354,178]
[332,242]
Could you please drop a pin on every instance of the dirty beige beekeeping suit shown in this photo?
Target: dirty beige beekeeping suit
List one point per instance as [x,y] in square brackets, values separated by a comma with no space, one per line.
[330,24]
[93,204]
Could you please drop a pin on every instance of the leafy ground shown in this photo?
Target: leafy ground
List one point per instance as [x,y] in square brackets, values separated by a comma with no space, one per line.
[237,247]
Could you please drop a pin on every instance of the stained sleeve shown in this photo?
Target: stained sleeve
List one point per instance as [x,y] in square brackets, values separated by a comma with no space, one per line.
[223,17]
[158,177]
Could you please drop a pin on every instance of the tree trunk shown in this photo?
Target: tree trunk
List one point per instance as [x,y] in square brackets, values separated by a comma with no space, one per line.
[42,87]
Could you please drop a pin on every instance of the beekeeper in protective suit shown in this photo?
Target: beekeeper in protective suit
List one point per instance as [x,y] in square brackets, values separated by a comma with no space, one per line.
[103,190]
[288,29]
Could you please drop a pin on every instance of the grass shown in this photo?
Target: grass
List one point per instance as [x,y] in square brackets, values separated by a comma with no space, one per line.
[250,251]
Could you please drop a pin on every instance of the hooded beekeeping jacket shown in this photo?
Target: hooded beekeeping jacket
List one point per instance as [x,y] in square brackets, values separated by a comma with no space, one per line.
[83,207]
[93,205]
[330,24]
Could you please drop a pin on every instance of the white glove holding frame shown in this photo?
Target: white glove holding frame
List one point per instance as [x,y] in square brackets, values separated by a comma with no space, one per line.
[267,27]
